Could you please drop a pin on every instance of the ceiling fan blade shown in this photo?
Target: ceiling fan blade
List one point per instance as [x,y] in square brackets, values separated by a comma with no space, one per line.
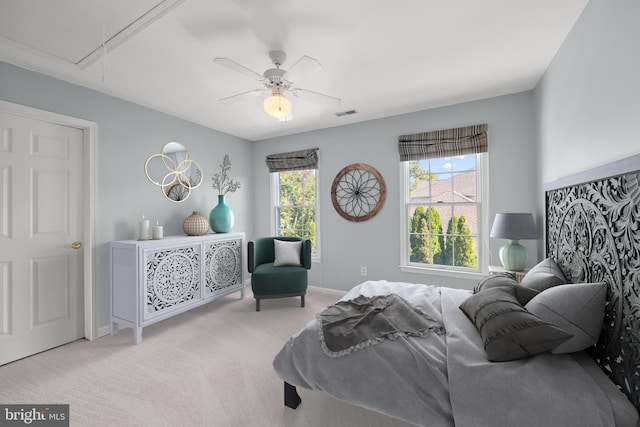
[233,65]
[317,97]
[242,96]
[302,67]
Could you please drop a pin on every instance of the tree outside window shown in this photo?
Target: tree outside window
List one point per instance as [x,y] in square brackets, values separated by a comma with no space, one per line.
[443,212]
[295,209]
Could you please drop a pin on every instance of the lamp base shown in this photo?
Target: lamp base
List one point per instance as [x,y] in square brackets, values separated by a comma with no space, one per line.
[513,256]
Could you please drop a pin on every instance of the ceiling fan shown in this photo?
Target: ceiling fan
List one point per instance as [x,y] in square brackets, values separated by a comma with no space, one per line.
[279,82]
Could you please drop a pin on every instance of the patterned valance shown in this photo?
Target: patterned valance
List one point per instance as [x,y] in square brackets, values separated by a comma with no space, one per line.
[294,160]
[443,143]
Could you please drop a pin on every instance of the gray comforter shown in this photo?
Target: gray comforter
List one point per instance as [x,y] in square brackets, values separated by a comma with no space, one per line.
[446,380]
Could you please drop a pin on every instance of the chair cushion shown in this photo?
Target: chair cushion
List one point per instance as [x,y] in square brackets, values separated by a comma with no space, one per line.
[286,253]
[269,280]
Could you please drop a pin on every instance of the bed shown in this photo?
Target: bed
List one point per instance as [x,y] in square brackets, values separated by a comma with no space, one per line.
[560,348]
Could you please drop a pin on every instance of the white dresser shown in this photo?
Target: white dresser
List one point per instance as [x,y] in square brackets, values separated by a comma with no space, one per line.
[155,279]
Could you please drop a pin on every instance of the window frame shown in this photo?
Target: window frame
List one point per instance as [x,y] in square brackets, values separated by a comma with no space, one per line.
[483,247]
[274,197]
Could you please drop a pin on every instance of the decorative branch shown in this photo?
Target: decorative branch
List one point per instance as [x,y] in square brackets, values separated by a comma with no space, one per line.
[221,181]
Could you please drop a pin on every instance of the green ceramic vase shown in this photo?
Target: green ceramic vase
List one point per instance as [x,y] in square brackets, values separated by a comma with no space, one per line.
[221,217]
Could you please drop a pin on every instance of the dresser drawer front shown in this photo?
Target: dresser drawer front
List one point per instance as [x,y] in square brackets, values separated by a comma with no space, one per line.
[223,265]
[172,279]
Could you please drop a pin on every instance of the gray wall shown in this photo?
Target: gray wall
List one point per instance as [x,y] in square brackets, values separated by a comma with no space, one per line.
[375,243]
[588,102]
[126,135]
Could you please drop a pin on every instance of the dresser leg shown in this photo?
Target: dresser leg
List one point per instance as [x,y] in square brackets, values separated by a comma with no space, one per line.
[137,335]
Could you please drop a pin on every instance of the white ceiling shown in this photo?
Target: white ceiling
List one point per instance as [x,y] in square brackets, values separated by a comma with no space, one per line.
[382,58]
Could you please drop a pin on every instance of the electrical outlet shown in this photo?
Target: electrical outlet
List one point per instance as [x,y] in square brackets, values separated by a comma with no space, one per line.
[363,271]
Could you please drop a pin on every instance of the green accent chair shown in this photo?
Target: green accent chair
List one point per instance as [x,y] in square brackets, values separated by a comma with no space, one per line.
[269,281]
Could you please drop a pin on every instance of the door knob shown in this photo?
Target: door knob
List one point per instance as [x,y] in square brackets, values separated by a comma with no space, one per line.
[76,245]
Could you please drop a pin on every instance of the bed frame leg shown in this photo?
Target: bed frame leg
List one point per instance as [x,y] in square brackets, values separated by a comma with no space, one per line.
[291,396]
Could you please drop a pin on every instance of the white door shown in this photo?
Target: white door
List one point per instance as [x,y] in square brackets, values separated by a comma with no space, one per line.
[41,269]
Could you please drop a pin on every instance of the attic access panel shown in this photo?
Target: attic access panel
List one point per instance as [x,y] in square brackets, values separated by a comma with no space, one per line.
[77,37]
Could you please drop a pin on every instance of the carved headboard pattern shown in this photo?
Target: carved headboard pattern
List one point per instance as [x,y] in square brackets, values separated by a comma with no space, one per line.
[593,233]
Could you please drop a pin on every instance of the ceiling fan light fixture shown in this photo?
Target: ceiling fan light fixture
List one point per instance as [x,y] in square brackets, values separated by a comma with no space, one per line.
[278,106]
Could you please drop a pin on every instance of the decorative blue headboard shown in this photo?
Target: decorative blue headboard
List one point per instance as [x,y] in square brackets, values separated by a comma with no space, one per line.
[593,233]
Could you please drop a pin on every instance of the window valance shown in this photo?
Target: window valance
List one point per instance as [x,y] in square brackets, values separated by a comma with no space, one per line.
[294,160]
[443,143]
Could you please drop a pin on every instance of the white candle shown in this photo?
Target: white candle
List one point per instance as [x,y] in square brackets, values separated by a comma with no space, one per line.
[143,229]
[156,232]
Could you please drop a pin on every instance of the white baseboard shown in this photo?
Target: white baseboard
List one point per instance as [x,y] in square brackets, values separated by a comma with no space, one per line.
[106,330]
[328,290]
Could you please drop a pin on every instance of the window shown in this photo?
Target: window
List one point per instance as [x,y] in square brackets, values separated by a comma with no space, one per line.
[442,212]
[294,199]
[295,205]
[443,182]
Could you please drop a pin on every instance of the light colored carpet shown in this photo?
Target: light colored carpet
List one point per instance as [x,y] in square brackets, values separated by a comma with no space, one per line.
[210,366]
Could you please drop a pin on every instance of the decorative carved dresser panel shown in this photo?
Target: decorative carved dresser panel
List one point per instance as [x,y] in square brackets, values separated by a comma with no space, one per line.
[156,279]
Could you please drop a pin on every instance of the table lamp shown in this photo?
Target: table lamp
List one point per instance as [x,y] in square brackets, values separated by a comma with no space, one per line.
[514,227]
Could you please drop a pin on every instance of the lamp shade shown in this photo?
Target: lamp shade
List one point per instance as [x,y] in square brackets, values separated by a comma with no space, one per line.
[278,106]
[514,226]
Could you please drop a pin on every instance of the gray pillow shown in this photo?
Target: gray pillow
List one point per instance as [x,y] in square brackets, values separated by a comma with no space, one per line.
[544,275]
[508,331]
[523,294]
[576,308]
[286,252]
